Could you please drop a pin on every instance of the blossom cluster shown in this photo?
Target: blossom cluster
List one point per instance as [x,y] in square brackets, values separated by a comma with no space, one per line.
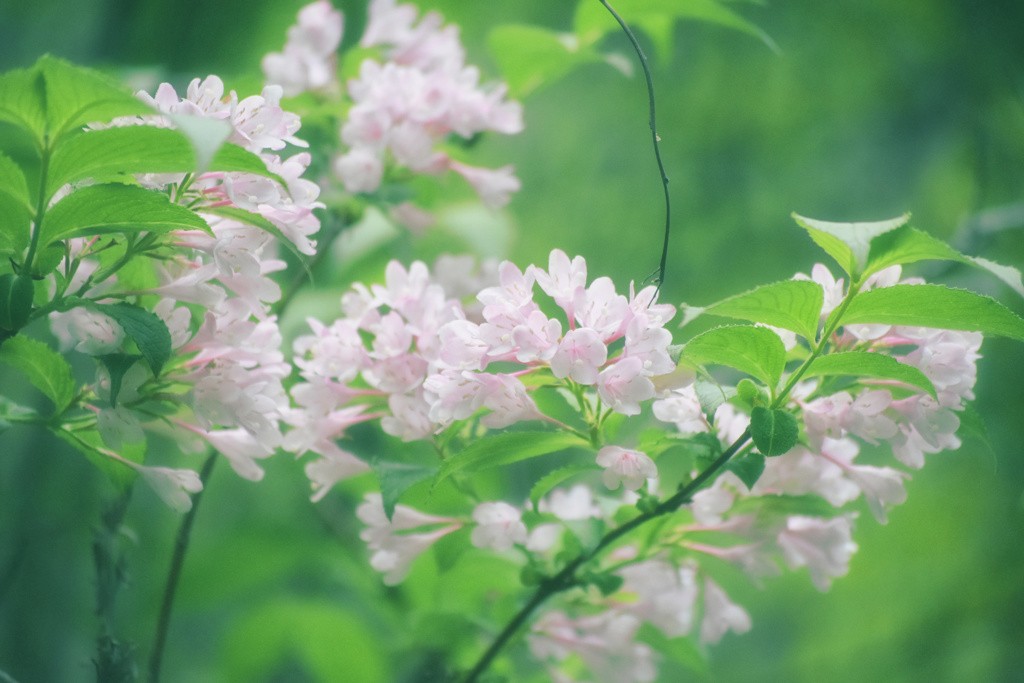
[667,584]
[404,108]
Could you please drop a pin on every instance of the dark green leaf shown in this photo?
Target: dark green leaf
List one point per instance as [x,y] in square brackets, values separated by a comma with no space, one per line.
[848,243]
[397,477]
[747,467]
[872,365]
[756,351]
[100,209]
[934,306]
[774,431]
[45,368]
[792,305]
[507,448]
[145,328]
[117,364]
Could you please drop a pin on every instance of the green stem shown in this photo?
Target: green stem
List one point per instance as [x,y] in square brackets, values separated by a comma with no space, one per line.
[174,575]
[566,578]
[40,205]
[654,137]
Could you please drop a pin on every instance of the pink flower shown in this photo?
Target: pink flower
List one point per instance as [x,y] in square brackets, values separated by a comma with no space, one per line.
[720,614]
[629,467]
[824,546]
[580,355]
[307,62]
[495,186]
[499,526]
[622,386]
[394,552]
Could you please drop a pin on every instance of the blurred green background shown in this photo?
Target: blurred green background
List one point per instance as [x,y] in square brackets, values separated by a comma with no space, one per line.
[869,109]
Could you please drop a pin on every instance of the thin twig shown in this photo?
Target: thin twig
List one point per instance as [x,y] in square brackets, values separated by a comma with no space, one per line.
[181,542]
[566,579]
[654,136]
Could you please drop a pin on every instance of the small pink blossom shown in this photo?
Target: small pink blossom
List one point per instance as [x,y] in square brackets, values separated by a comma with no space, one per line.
[499,526]
[824,546]
[720,614]
[631,468]
[579,356]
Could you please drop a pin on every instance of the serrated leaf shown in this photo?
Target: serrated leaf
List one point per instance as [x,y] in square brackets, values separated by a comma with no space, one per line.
[15,227]
[76,95]
[553,479]
[24,101]
[756,351]
[748,467]
[791,304]
[774,431]
[101,209]
[145,328]
[910,245]
[396,478]
[848,243]
[111,151]
[871,365]
[934,306]
[12,182]
[531,57]
[507,448]
[46,369]
[711,396]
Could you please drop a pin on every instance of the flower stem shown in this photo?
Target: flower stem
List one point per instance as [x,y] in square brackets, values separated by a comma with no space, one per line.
[566,578]
[174,575]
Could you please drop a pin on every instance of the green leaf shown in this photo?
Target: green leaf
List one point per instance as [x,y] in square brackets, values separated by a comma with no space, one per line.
[531,57]
[258,221]
[128,150]
[711,396]
[12,182]
[12,412]
[76,96]
[101,209]
[205,135]
[934,306]
[233,159]
[15,227]
[774,431]
[46,369]
[90,442]
[791,305]
[117,364]
[507,448]
[872,365]
[656,18]
[909,245]
[848,243]
[24,101]
[553,479]
[397,477]
[756,351]
[748,467]
[145,328]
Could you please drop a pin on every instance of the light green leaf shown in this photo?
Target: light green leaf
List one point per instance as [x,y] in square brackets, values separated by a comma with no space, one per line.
[531,57]
[871,365]
[145,328]
[11,412]
[848,243]
[711,396]
[934,306]
[774,431]
[257,220]
[101,209]
[756,351]
[507,448]
[128,150]
[46,369]
[909,245]
[553,479]
[792,305]
[15,226]
[24,101]
[233,159]
[90,442]
[12,182]
[76,96]
[206,136]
